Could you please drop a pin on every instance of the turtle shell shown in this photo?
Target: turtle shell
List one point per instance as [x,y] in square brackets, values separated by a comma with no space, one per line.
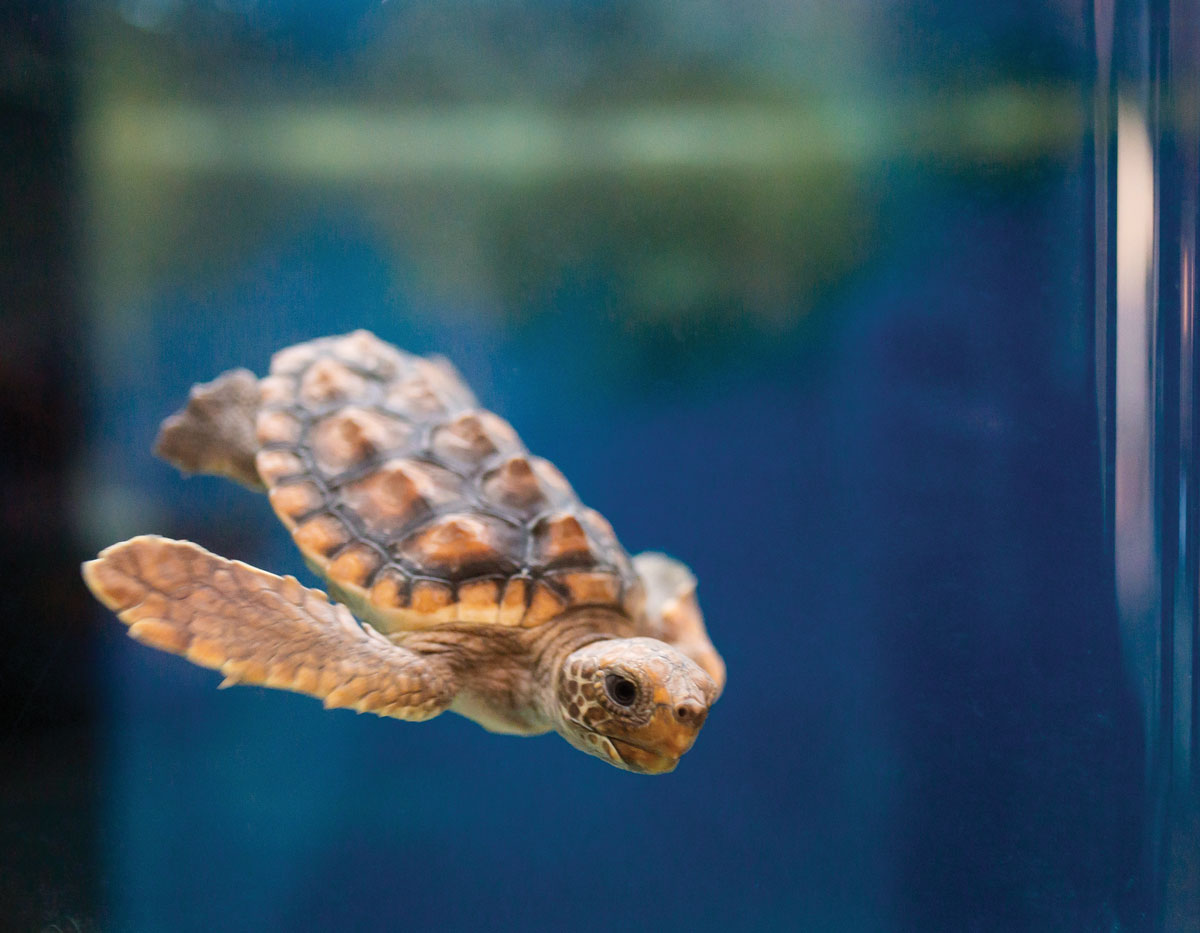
[419,507]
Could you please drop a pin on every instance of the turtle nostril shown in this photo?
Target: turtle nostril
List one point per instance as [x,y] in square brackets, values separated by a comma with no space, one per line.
[689,713]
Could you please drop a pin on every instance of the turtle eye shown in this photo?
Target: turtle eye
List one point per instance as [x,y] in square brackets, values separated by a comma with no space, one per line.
[621,690]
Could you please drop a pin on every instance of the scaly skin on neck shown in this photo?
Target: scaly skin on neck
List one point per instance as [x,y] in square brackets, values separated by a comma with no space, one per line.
[510,677]
[553,644]
[636,702]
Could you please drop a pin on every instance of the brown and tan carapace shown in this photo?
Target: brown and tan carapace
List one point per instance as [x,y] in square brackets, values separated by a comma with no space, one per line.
[487,587]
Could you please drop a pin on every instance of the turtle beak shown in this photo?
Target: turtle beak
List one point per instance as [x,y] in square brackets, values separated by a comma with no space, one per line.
[658,745]
[641,761]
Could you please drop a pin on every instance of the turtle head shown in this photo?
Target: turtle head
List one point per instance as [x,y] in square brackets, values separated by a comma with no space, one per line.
[638,703]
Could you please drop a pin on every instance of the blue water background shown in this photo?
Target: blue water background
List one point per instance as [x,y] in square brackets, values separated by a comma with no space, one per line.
[892,502]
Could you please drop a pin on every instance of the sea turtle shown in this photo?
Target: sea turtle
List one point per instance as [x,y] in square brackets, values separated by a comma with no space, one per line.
[489,588]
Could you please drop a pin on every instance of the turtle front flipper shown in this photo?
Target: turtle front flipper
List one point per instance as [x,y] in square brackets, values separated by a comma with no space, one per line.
[259,628]
[215,432]
[673,613]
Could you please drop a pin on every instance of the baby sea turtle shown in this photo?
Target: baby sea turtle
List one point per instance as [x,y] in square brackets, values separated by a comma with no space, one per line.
[489,588]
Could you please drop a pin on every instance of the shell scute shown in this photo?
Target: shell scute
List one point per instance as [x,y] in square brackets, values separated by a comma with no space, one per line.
[321,535]
[368,352]
[441,377]
[560,539]
[278,427]
[277,390]
[474,437]
[519,487]
[275,466]
[431,597]
[598,527]
[513,603]
[479,601]
[547,603]
[390,588]
[414,396]
[463,544]
[422,507]
[293,500]
[553,483]
[329,381]
[400,492]
[352,436]
[355,565]
[295,359]
[591,587]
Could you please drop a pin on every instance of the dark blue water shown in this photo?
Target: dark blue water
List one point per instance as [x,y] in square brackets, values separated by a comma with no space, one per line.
[896,526]
[890,451]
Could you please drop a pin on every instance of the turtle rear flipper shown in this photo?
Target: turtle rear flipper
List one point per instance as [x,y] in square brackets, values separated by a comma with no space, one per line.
[259,628]
[215,432]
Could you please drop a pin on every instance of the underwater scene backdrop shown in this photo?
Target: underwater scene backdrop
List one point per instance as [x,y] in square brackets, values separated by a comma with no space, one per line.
[805,295]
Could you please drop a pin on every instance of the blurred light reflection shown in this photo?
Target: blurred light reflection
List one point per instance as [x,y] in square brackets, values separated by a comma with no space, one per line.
[1136,554]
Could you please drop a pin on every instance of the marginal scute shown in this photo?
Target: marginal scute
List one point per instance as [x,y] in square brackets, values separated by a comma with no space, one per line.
[277,427]
[276,465]
[353,436]
[512,605]
[295,499]
[473,437]
[321,534]
[430,597]
[368,352]
[544,606]
[478,601]
[277,390]
[399,493]
[553,483]
[292,360]
[463,544]
[328,381]
[441,376]
[355,565]
[390,590]
[591,588]
[599,528]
